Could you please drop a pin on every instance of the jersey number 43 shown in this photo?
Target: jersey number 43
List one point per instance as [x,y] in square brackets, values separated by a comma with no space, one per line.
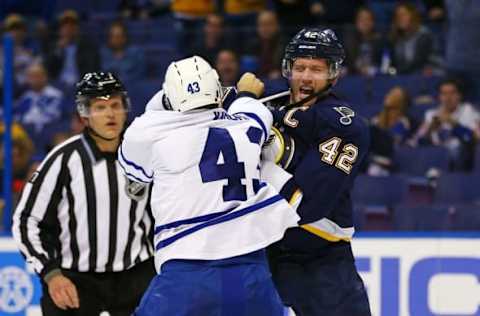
[220,144]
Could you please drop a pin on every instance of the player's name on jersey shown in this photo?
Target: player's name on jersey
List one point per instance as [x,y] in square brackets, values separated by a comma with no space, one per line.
[225,116]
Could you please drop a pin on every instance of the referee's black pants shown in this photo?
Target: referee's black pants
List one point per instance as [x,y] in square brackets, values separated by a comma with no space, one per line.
[117,293]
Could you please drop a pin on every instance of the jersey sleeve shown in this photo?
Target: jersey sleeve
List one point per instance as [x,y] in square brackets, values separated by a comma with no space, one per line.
[35,213]
[255,110]
[134,155]
[328,169]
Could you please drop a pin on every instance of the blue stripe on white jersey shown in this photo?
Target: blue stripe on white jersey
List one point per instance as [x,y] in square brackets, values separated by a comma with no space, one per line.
[218,220]
[193,220]
[133,170]
[258,120]
[129,175]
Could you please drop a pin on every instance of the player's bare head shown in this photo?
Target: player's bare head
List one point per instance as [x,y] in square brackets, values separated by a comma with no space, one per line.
[312,62]
[191,83]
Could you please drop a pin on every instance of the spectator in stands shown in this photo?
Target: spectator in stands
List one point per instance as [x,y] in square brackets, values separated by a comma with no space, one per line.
[364,45]
[435,10]
[126,61]
[228,67]
[393,117]
[212,40]
[454,124]
[411,42]
[389,128]
[24,49]
[463,43]
[337,12]
[40,109]
[293,14]
[73,54]
[241,16]
[132,9]
[190,16]
[22,151]
[41,33]
[268,46]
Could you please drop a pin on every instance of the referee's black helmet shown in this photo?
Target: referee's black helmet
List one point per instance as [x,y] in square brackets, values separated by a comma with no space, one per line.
[99,85]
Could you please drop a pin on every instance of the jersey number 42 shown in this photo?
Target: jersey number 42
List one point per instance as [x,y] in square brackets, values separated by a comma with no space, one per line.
[330,154]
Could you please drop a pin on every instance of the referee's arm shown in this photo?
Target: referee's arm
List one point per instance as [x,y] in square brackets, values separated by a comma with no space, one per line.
[34,220]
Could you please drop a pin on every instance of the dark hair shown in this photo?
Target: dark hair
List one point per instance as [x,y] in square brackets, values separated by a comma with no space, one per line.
[395,33]
[118,23]
[366,9]
[452,81]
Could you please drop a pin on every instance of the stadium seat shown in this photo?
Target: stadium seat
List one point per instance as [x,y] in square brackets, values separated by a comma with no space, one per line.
[415,85]
[422,218]
[158,58]
[417,112]
[466,217]
[359,218]
[383,11]
[455,188]
[352,89]
[476,167]
[273,86]
[104,6]
[140,93]
[418,160]
[379,191]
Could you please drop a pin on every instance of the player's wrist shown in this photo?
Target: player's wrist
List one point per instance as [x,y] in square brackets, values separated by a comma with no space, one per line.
[51,274]
[248,94]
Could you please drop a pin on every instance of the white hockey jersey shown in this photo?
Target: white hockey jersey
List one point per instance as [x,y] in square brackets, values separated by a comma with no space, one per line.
[207,198]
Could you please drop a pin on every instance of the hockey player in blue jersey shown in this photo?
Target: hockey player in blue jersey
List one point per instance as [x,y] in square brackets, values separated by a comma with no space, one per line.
[324,142]
[213,214]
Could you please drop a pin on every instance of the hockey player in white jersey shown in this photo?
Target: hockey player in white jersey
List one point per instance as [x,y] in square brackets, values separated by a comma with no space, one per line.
[213,214]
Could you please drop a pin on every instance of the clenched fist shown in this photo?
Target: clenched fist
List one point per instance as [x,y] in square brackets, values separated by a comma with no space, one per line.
[249,83]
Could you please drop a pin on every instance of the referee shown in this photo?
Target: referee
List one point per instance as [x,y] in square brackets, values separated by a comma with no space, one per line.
[81,225]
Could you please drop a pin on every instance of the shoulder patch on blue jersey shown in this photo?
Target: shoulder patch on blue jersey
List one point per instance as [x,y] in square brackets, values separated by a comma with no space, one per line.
[346,114]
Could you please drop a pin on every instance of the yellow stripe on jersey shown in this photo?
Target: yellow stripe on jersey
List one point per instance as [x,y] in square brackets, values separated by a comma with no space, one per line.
[323,234]
[295,196]
[281,150]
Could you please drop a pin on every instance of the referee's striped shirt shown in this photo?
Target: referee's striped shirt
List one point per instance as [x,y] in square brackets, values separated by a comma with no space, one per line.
[75,213]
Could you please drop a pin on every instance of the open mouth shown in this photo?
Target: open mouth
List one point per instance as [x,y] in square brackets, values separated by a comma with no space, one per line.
[306,91]
[111,124]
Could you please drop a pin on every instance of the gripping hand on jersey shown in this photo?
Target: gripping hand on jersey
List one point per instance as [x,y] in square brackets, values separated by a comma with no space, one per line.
[250,83]
[279,148]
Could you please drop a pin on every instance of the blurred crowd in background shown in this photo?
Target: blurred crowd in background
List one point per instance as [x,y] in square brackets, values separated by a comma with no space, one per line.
[411,69]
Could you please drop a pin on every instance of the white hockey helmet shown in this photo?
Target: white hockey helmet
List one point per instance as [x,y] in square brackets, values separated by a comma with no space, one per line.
[191,83]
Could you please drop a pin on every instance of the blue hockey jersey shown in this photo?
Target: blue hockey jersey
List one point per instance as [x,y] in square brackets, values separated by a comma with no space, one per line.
[331,141]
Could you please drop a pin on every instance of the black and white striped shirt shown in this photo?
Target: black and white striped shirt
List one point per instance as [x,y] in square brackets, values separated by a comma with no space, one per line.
[75,213]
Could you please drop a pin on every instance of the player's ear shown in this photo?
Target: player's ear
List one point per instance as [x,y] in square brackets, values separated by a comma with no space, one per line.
[84,120]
